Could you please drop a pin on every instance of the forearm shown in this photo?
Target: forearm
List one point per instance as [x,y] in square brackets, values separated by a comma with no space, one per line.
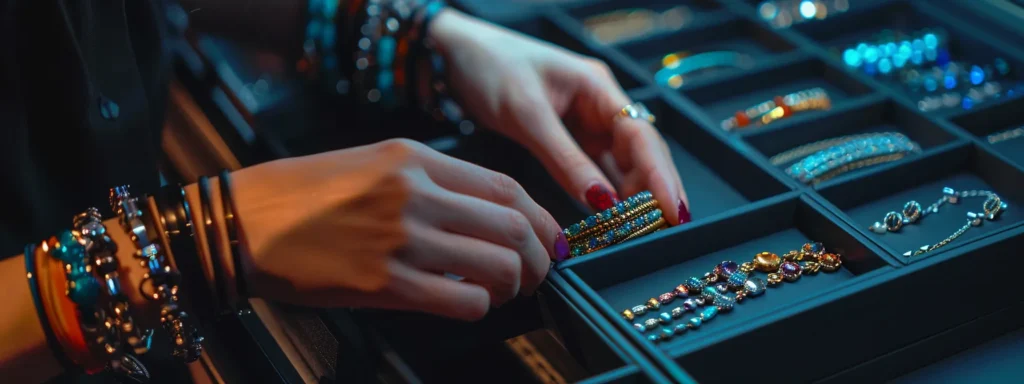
[24,354]
[272,25]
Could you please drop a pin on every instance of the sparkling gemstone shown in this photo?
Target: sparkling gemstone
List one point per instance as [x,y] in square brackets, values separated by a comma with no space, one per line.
[767,262]
[722,287]
[912,211]
[737,279]
[666,298]
[621,207]
[628,315]
[695,284]
[593,242]
[709,312]
[774,278]
[652,337]
[754,286]
[701,301]
[639,310]
[709,294]
[992,205]
[682,292]
[667,333]
[591,221]
[678,312]
[689,305]
[651,323]
[83,289]
[726,268]
[710,277]
[893,221]
[577,250]
[639,327]
[93,228]
[680,328]
[694,322]
[790,270]
[68,249]
[665,318]
[813,248]
[951,195]
[725,303]
[653,303]
[830,262]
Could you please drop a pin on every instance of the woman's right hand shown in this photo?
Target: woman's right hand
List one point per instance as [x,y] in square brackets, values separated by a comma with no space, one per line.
[380,225]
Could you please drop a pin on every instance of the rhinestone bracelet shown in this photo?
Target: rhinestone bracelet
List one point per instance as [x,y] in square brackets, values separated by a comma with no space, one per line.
[611,217]
[912,212]
[648,223]
[712,290]
[849,154]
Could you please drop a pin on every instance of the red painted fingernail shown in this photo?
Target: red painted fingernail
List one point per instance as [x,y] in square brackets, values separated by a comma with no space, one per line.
[561,247]
[600,198]
[684,213]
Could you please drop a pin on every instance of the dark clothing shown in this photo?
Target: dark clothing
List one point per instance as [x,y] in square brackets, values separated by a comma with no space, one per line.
[82,96]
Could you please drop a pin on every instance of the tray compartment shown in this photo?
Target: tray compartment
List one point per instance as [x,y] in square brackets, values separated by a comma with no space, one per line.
[865,200]
[656,264]
[867,115]
[910,21]
[996,120]
[756,43]
[723,99]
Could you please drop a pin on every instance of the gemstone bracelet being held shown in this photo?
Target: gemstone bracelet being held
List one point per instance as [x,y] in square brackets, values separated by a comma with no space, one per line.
[829,158]
[912,212]
[636,216]
[712,290]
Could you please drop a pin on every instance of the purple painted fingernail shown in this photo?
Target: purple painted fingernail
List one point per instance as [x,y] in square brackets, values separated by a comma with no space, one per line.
[684,213]
[561,247]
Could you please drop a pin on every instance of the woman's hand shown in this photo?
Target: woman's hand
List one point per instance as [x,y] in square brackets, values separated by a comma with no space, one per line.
[526,89]
[379,226]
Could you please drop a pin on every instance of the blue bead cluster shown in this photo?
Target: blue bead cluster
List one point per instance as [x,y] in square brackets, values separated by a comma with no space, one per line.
[824,161]
[886,56]
[82,288]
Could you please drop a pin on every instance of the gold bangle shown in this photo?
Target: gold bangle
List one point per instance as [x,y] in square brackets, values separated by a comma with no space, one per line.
[618,234]
[653,227]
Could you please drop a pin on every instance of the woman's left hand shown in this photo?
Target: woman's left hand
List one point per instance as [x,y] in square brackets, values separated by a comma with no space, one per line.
[562,107]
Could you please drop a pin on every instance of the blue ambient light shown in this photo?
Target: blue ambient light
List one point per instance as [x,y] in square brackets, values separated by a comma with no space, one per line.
[885,66]
[851,57]
[977,75]
[807,9]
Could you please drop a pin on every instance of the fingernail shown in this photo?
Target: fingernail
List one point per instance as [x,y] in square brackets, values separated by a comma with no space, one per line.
[600,198]
[684,213]
[561,247]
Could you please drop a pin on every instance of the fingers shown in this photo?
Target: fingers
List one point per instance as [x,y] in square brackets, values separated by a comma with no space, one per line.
[488,222]
[495,267]
[470,179]
[638,149]
[546,138]
[410,289]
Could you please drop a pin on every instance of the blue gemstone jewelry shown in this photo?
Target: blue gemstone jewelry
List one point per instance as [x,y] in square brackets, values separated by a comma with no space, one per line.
[912,213]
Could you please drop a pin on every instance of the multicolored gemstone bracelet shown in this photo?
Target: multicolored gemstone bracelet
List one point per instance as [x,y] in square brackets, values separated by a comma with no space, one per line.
[836,156]
[712,290]
[779,108]
[636,216]
[912,213]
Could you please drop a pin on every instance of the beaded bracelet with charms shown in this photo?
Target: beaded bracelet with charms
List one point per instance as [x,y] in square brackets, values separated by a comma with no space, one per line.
[727,277]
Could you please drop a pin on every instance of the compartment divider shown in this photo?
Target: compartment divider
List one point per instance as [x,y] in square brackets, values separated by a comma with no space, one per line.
[780,127]
[614,58]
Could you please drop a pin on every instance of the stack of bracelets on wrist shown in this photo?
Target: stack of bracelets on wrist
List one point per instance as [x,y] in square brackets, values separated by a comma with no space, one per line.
[823,160]
[709,295]
[75,281]
[636,216]
[778,108]
[373,48]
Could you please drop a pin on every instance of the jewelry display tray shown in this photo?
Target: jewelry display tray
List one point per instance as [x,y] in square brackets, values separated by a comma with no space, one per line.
[859,322]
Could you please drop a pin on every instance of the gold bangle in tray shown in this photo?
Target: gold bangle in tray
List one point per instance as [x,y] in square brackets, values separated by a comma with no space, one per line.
[779,108]
[850,155]
[626,24]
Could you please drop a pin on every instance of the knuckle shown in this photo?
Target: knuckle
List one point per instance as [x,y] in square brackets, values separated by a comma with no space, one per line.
[505,190]
[518,229]
[401,148]
[509,269]
[599,67]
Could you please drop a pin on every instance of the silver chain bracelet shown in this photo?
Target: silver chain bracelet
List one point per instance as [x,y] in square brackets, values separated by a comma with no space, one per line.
[912,213]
